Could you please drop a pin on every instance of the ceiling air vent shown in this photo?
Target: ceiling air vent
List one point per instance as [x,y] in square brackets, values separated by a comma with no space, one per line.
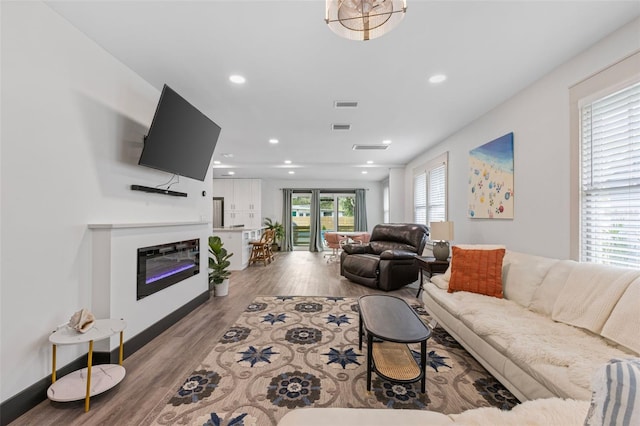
[346,104]
[357,147]
[341,126]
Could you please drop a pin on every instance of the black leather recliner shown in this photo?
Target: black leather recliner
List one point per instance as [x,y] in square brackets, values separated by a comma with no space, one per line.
[387,262]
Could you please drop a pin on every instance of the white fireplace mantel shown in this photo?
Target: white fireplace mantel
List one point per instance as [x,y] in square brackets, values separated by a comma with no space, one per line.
[114,273]
[143,225]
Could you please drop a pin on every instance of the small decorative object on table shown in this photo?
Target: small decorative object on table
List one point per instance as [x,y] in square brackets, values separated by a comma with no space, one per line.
[441,233]
[82,320]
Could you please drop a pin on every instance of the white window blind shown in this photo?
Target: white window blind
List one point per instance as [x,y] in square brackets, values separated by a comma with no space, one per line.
[420,198]
[437,199]
[610,179]
[430,191]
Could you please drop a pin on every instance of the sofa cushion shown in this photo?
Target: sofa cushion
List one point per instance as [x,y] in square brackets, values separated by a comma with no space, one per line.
[615,399]
[547,292]
[447,274]
[364,265]
[590,294]
[623,325]
[522,274]
[477,271]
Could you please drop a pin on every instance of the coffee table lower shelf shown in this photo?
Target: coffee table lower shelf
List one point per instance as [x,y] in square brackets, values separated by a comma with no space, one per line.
[395,362]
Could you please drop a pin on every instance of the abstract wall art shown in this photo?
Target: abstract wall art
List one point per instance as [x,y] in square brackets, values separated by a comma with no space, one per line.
[491,180]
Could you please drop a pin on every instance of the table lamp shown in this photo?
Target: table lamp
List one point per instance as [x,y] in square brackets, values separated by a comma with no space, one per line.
[441,234]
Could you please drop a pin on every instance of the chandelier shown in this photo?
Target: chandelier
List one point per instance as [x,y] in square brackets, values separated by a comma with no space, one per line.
[364,19]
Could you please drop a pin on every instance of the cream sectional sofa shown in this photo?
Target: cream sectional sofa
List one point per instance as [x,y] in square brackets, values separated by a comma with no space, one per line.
[552,339]
[544,412]
[558,321]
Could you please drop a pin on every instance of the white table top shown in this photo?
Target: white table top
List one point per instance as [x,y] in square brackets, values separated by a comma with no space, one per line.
[101,329]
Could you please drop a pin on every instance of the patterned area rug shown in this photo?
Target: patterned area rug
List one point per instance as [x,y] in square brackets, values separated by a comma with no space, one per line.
[287,352]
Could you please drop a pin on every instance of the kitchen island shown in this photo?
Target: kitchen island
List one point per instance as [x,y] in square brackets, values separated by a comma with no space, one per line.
[236,241]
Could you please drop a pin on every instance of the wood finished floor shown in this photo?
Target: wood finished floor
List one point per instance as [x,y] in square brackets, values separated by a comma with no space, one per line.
[162,364]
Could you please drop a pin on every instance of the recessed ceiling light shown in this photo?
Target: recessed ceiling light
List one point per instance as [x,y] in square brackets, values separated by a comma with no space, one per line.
[232,173]
[237,79]
[227,155]
[386,142]
[291,172]
[364,172]
[369,162]
[273,141]
[216,162]
[287,161]
[437,78]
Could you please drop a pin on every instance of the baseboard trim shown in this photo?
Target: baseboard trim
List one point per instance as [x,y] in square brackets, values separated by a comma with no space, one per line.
[25,400]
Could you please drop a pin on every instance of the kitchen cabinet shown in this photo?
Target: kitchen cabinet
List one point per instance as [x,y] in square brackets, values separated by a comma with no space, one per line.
[242,201]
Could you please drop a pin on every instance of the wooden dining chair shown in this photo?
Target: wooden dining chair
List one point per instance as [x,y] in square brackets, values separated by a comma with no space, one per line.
[261,250]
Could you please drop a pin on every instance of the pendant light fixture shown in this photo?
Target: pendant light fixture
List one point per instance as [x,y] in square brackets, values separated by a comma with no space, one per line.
[364,19]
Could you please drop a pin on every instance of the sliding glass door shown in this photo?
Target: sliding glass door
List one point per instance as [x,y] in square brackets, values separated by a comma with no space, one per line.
[300,218]
[336,214]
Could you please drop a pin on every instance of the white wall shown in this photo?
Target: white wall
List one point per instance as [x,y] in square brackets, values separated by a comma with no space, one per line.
[272,196]
[539,118]
[397,213]
[73,119]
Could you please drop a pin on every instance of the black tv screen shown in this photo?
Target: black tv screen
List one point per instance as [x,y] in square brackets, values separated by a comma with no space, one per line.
[181,139]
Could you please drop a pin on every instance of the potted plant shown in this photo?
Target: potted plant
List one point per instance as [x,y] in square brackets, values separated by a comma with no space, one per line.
[278,228]
[218,267]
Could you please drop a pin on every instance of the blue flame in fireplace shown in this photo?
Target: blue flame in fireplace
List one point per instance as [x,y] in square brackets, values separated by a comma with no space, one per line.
[173,271]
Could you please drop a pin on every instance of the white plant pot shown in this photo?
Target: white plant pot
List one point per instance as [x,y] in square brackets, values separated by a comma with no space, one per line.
[221,289]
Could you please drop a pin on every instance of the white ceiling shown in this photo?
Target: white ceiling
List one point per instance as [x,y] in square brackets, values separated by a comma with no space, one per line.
[296,68]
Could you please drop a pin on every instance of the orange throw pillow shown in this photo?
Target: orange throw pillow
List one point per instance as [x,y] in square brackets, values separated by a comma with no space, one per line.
[477,271]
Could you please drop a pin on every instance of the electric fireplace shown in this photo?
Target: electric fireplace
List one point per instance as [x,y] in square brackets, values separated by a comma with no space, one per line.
[164,265]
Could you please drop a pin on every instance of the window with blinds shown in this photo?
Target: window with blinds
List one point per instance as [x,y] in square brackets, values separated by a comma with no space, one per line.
[610,179]
[437,201]
[430,191]
[420,198]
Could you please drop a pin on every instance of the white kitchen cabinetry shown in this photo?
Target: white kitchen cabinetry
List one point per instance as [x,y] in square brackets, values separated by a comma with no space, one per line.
[242,201]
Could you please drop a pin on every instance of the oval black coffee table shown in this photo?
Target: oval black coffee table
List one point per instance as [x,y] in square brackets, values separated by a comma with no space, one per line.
[395,324]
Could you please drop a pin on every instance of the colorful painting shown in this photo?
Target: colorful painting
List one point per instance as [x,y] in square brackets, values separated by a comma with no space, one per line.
[491,180]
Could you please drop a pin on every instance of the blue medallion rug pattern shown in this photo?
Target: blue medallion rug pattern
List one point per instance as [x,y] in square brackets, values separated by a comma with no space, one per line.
[287,352]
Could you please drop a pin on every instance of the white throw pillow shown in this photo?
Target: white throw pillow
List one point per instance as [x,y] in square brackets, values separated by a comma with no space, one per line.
[440,282]
[522,274]
[547,292]
[623,325]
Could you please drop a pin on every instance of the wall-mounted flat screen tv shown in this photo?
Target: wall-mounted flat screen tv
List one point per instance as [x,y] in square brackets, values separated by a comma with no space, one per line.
[181,139]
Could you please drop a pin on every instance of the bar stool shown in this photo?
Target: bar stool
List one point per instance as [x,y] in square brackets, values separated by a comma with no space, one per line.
[261,250]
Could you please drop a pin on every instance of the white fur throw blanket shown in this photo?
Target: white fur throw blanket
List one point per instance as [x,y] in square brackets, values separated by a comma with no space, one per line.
[535,339]
[539,412]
